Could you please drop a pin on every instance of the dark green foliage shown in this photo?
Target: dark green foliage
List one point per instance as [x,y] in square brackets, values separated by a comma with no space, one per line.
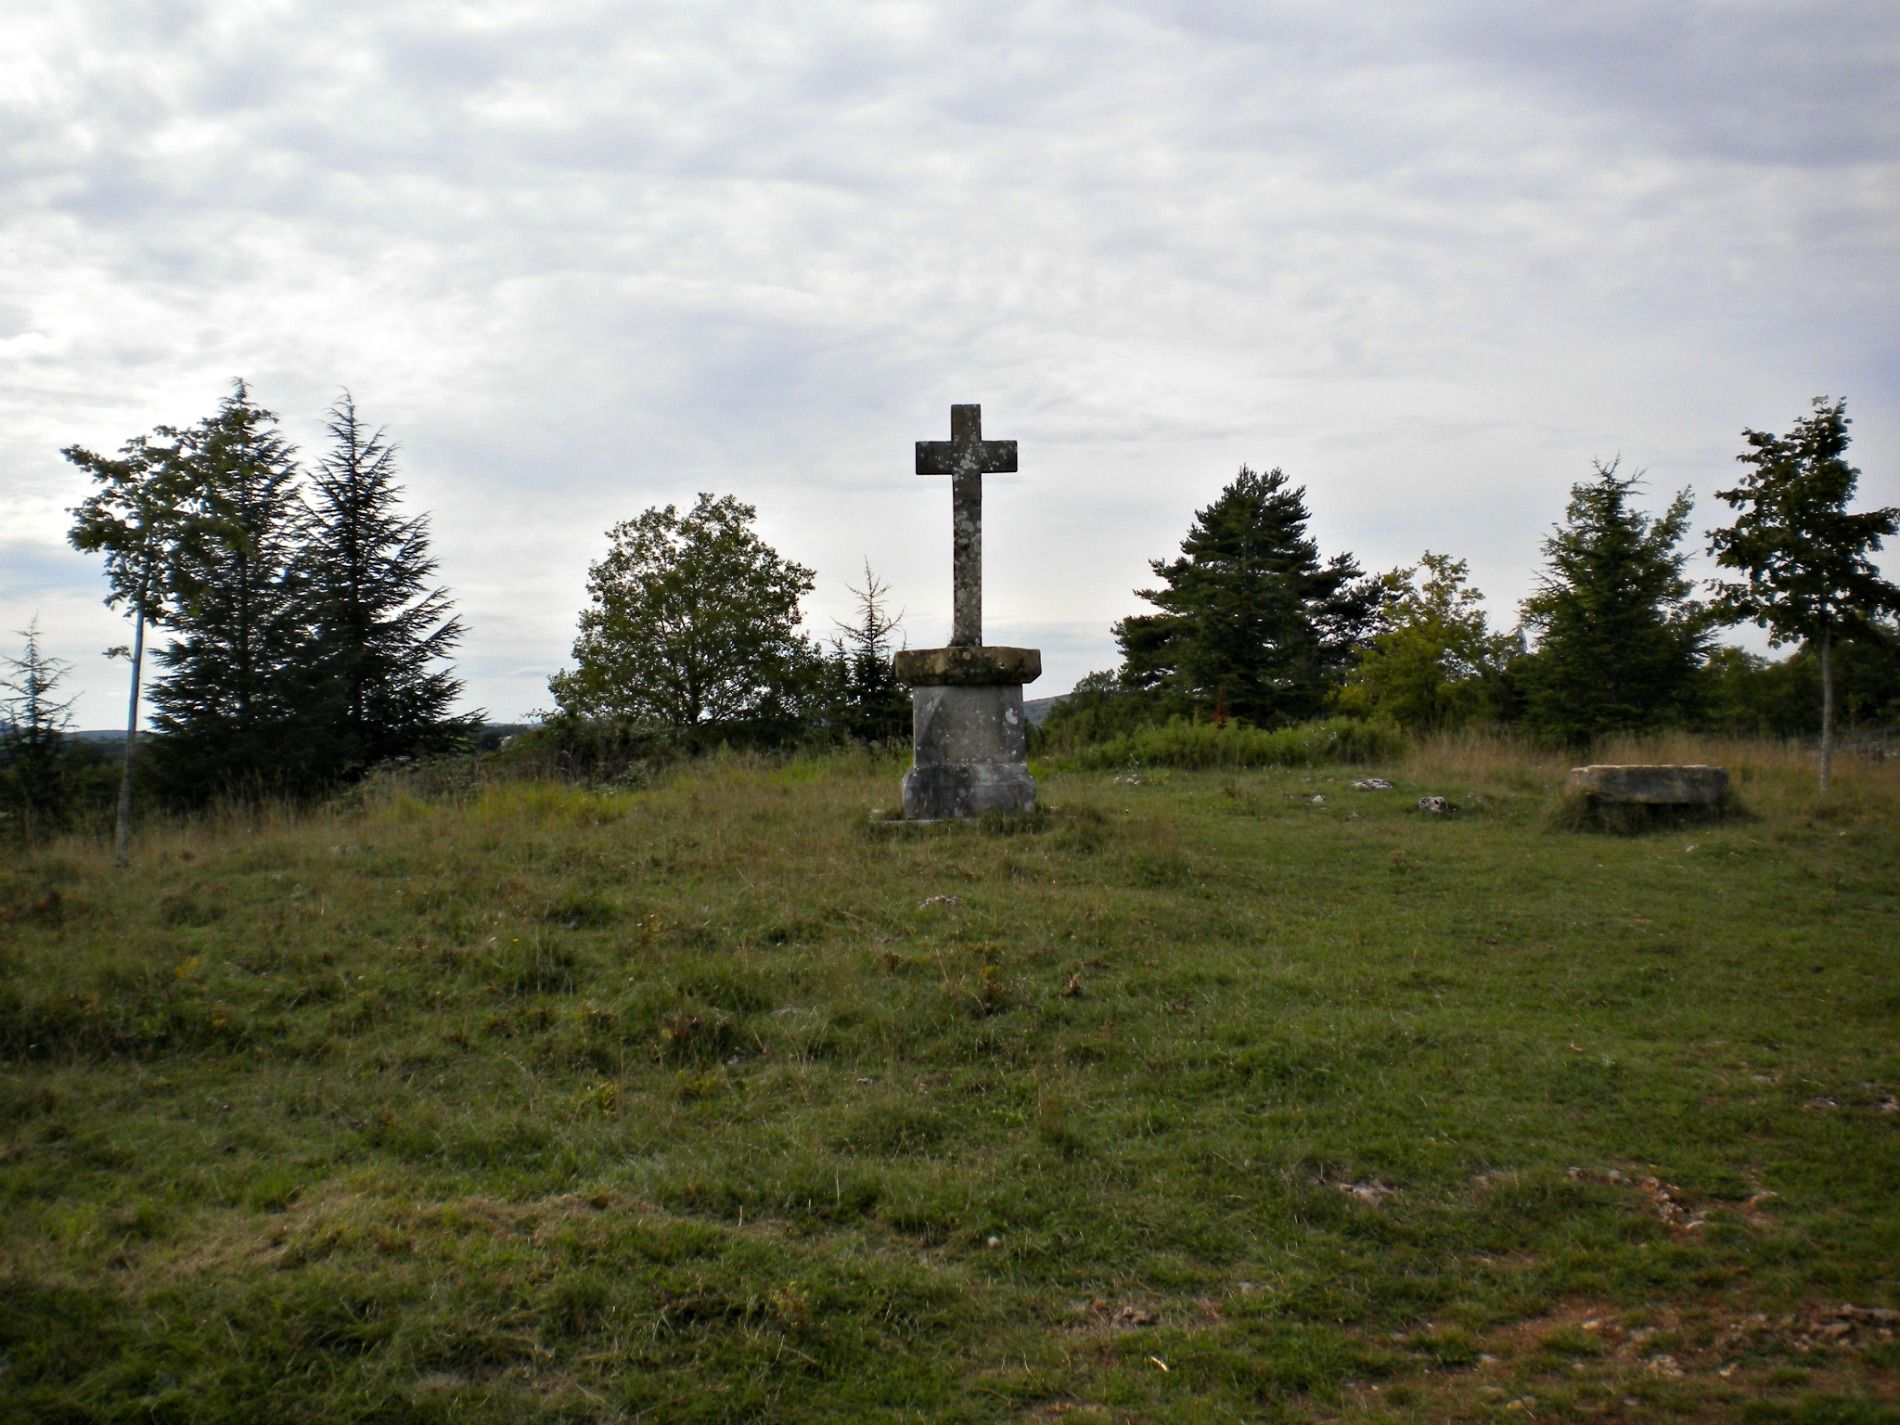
[693,621]
[227,705]
[599,750]
[1801,553]
[1100,706]
[35,751]
[1251,624]
[1620,640]
[378,634]
[867,703]
[304,645]
[136,517]
[1750,695]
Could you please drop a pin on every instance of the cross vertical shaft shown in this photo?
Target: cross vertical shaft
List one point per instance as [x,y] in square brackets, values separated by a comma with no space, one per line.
[966,534]
[966,457]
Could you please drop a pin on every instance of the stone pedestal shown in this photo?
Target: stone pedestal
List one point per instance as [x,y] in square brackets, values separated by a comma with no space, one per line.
[969,735]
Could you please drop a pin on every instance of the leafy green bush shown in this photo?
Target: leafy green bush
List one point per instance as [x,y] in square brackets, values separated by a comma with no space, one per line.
[1180,743]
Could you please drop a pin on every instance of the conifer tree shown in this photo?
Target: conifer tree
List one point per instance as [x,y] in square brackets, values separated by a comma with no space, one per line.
[1251,623]
[376,684]
[33,738]
[873,706]
[1619,638]
[227,702]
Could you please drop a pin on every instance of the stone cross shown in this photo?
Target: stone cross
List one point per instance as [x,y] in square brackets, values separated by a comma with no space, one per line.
[966,458]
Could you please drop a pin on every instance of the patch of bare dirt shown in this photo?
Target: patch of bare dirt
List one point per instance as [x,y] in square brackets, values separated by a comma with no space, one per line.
[1591,1360]
[1671,1205]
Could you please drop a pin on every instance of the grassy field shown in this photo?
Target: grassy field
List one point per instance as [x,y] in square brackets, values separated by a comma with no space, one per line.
[1206,1096]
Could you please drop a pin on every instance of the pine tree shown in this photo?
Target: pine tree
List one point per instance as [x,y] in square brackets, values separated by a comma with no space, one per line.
[376,685]
[33,739]
[1251,622]
[1619,639]
[873,705]
[1801,553]
[227,703]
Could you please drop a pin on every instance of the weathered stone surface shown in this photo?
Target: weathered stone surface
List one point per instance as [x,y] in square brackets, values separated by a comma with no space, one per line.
[966,457]
[967,667]
[968,727]
[1650,785]
[971,752]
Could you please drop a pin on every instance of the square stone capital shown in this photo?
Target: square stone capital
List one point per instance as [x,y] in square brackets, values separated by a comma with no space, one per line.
[967,666]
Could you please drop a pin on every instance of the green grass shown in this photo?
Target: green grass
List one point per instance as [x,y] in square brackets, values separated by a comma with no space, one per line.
[1195,1099]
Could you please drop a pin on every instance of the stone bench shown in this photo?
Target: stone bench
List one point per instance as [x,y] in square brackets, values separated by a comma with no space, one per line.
[1629,794]
[1655,785]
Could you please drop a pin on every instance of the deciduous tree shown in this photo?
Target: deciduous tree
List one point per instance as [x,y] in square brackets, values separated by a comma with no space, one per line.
[1436,663]
[693,621]
[137,518]
[1801,553]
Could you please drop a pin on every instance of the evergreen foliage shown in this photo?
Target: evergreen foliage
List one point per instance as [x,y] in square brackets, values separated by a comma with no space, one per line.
[1620,640]
[1801,553]
[1435,664]
[34,746]
[227,704]
[1251,623]
[871,705]
[378,688]
[693,622]
[303,642]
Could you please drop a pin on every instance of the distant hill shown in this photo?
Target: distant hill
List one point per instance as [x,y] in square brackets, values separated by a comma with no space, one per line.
[1037,709]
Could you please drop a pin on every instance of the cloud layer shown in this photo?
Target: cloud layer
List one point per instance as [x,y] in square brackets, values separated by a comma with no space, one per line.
[582,258]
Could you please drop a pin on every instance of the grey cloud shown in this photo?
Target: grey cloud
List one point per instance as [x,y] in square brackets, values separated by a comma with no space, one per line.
[1428,259]
[31,568]
[1750,82]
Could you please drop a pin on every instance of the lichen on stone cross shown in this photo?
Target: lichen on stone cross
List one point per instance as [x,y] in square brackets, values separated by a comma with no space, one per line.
[966,458]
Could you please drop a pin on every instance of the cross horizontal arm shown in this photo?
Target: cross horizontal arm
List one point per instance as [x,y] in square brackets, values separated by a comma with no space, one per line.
[966,457]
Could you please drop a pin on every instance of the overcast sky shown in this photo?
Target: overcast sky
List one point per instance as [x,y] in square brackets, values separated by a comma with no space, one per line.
[581,259]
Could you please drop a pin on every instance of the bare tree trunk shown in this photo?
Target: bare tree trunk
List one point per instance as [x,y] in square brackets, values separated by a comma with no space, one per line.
[122,833]
[1827,706]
